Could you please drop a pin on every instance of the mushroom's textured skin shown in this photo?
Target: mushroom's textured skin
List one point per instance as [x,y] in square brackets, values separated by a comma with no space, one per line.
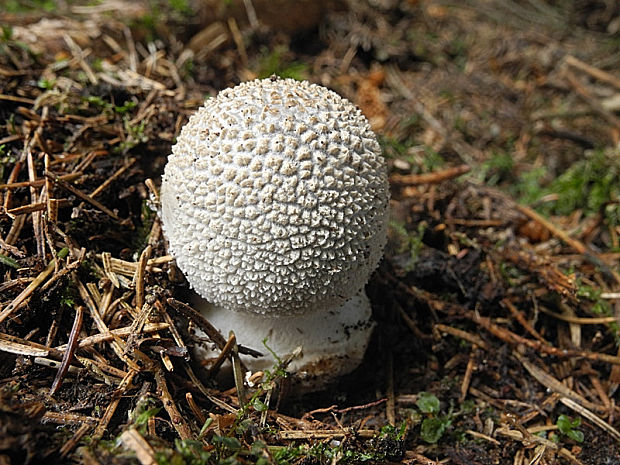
[274,199]
[332,342]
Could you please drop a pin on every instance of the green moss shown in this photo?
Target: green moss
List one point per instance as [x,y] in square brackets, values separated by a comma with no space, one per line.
[276,62]
[591,185]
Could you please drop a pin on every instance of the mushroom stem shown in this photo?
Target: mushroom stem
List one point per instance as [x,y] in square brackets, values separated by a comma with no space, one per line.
[332,341]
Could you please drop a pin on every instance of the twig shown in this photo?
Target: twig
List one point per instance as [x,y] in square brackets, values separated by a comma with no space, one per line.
[201,321]
[39,182]
[592,417]
[553,384]
[19,346]
[178,422]
[68,446]
[139,277]
[429,178]
[71,346]
[521,319]
[585,94]
[115,343]
[469,371]
[112,178]
[564,237]
[592,71]
[510,337]
[579,320]
[118,332]
[238,371]
[87,198]
[221,358]
[476,340]
[322,434]
[26,293]
[116,398]
[134,441]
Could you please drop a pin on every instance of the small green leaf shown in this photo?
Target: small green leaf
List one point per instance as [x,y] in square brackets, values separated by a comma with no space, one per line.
[259,406]
[427,402]
[143,417]
[8,261]
[567,426]
[575,435]
[433,429]
[230,443]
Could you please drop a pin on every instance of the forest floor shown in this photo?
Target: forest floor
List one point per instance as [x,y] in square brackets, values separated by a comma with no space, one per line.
[497,303]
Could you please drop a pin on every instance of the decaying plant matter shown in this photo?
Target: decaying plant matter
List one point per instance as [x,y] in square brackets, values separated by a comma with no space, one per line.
[497,301]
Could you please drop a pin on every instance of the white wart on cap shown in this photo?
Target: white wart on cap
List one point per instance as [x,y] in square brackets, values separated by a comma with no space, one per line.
[274,200]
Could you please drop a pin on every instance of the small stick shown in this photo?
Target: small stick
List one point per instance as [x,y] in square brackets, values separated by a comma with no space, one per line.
[429,178]
[592,417]
[579,320]
[200,320]
[238,371]
[39,206]
[71,346]
[592,71]
[564,237]
[238,38]
[587,96]
[176,418]
[11,249]
[139,277]
[476,340]
[118,332]
[510,337]
[12,177]
[552,383]
[132,439]
[14,98]
[224,353]
[67,418]
[194,408]
[37,218]
[600,391]
[112,178]
[99,367]
[521,319]
[87,198]
[483,436]
[26,293]
[39,182]
[25,209]
[115,343]
[71,443]
[469,371]
[16,345]
[111,408]
[322,434]
[475,223]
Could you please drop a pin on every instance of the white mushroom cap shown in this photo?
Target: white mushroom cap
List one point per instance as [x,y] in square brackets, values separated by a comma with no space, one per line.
[274,199]
[332,342]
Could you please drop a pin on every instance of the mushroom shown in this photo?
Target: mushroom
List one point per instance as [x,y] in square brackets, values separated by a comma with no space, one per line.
[274,203]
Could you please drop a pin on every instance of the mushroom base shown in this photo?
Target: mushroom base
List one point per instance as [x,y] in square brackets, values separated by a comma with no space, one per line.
[332,341]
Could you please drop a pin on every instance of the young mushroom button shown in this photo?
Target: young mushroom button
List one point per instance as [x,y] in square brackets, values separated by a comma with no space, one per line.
[274,204]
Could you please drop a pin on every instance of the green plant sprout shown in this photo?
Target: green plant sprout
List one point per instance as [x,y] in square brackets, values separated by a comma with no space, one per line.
[434,425]
[568,427]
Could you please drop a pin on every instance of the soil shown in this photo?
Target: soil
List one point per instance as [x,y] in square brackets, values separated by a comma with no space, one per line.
[498,298]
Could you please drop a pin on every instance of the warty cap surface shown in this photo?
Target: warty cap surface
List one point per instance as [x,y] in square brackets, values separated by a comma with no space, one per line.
[274,199]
